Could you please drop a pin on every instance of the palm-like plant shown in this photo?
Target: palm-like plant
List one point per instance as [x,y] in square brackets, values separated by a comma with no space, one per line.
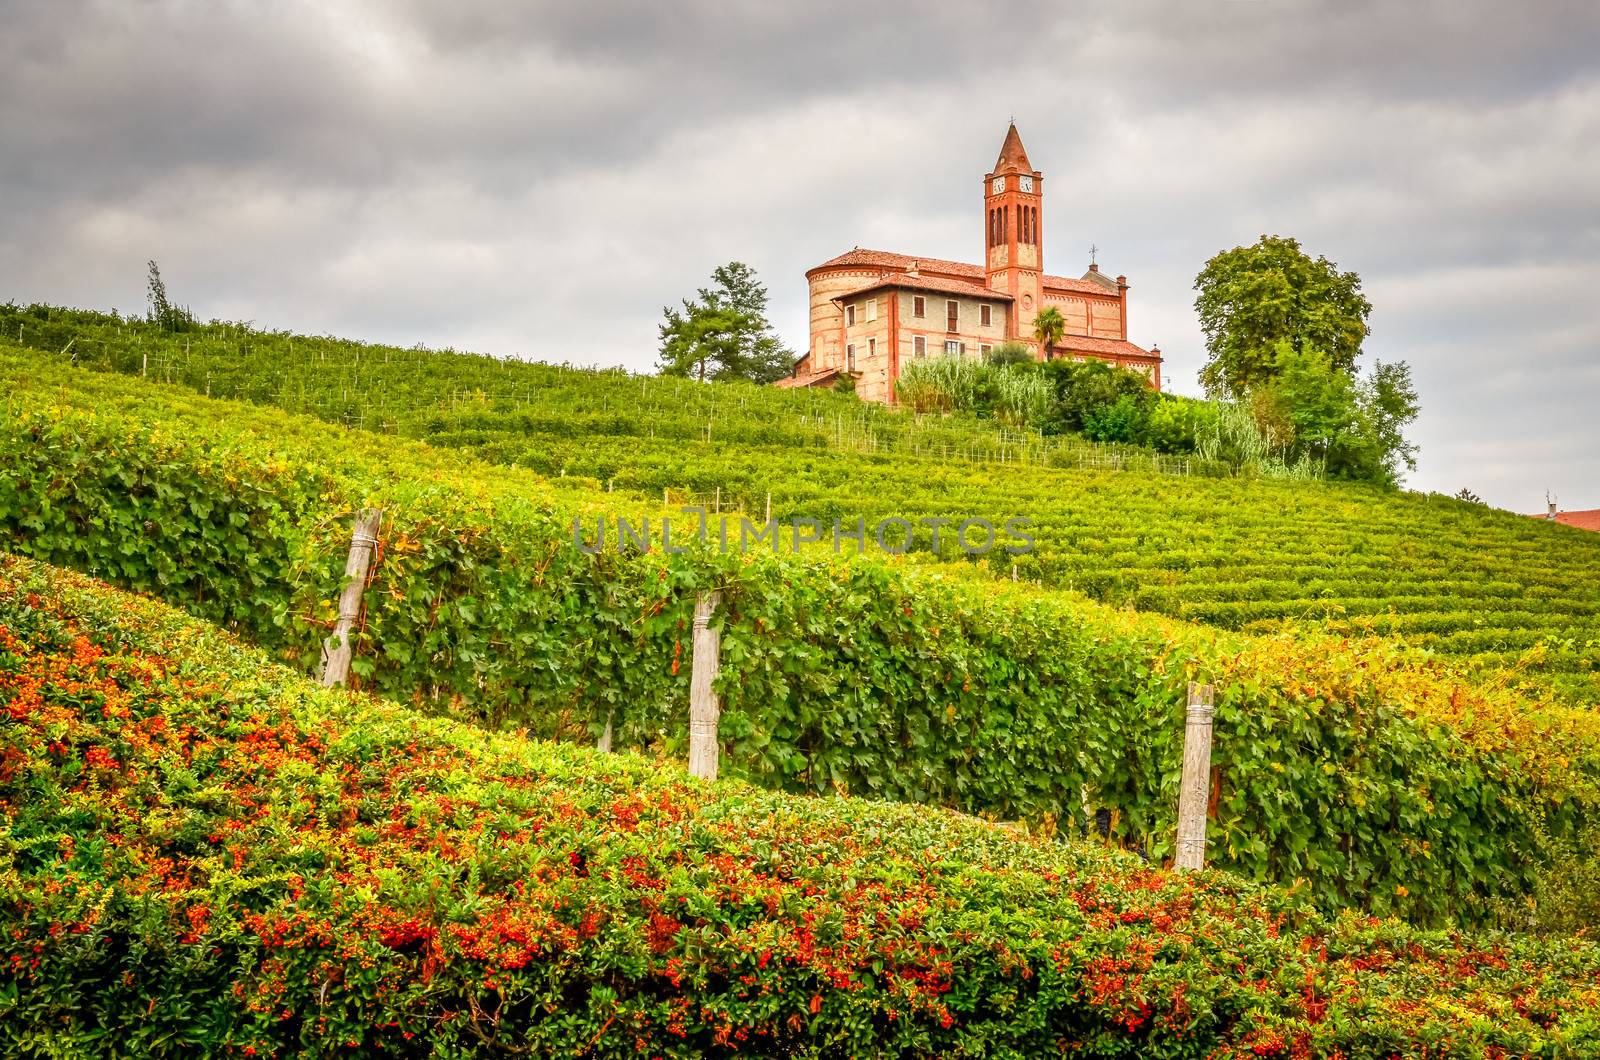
[1048,327]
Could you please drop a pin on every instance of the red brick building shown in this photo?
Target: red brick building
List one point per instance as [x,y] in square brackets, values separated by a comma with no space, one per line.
[873,311]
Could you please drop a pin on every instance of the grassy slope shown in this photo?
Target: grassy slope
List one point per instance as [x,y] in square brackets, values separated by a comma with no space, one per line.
[1463,580]
[204,852]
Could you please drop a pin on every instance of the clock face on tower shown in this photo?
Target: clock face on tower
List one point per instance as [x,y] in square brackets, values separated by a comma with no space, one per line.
[997,186]
[1027,183]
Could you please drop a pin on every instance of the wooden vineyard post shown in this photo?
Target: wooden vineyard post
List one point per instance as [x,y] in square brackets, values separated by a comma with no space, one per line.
[704,710]
[335,667]
[1196,783]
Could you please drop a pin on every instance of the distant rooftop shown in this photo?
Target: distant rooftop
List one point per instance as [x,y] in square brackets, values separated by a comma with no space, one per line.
[1585,520]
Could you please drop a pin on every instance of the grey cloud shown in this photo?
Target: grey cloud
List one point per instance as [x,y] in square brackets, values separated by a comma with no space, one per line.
[541,178]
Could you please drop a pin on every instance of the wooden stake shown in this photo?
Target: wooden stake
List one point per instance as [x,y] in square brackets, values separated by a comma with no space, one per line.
[335,667]
[704,710]
[1196,783]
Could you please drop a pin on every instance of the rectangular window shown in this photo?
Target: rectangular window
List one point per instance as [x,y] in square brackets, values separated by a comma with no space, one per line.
[849,316]
[952,348]
[919,346]
[872,309]
[983,315]
[872,348]
[850,357]
[952,315]
[919,306]
[984,349]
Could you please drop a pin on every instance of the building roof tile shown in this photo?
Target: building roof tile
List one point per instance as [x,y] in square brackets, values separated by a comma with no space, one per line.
[805,379]
[1587,520]
[941,284]
[1084,286]
[890,260]
[959,270]
[1104,347]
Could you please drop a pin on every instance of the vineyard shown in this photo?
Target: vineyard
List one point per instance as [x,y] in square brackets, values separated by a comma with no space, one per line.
[1501,596]
[206,855]
[1371,774]
[440,865]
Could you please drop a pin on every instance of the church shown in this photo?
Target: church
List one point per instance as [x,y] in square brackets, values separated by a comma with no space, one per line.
[873,311]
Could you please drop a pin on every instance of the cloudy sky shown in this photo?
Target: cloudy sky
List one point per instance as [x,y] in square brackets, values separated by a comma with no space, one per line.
[540,178]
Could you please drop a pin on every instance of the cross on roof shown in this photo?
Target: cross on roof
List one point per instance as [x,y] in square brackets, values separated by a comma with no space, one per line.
[1093,250]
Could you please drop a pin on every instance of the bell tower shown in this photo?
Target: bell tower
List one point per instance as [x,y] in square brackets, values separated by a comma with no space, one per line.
[1013,247]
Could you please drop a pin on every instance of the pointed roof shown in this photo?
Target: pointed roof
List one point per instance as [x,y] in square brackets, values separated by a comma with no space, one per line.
[1013,159]
[1094,275]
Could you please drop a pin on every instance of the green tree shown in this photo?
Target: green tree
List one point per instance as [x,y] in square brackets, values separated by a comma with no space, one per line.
[1354,428]
[1048,327]
[1392,404]
[724,332]
[1011,352]
[163,313]
[1307,402]
[156,295]
[1083,388]
[1253,298]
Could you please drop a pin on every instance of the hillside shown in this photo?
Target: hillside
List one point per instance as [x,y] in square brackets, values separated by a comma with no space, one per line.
[1492,591]
[1377,778]
[204,853]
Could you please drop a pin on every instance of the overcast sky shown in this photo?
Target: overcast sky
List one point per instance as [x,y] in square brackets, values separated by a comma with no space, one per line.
[539,179]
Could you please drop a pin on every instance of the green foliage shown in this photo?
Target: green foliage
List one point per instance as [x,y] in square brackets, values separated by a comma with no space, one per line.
[1085,392]
[1390,402]
[1012,352]
[1022,396]
[724,334]
[1175,424]
[1326,417]
[1048,328]
[1335,766]
[1112,521]
[944,384]
[207,856]
[163,314]
[1253,298]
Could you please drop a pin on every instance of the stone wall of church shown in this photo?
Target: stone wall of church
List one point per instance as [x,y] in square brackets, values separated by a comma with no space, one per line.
[866,344]
[972,338]
[827,317]
[1105,319]
[1087,314]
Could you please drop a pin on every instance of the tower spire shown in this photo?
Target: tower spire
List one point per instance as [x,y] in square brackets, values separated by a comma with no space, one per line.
[1013,245]
[1013,159]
